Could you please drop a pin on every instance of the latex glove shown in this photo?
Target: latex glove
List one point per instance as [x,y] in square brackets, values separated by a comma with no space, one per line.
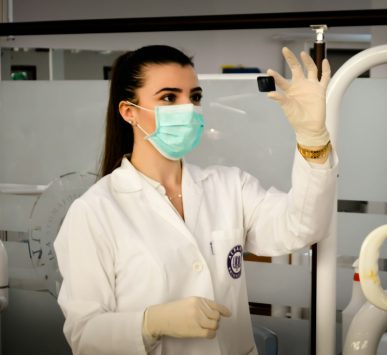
[303,98]
[192,317]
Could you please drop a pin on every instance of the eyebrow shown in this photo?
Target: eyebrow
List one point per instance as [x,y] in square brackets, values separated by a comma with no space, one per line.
[198,88]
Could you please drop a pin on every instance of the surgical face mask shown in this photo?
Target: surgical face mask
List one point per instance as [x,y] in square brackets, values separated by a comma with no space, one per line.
[178,129]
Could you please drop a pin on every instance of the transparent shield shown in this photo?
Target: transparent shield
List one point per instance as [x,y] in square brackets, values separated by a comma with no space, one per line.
[48,129]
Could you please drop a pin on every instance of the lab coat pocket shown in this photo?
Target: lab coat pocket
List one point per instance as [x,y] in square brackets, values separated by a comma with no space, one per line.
[227,252]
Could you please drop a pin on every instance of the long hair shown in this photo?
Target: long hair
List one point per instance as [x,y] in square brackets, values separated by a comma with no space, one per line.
[127,77]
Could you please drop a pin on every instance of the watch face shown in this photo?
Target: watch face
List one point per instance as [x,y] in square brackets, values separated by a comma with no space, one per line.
[46,219]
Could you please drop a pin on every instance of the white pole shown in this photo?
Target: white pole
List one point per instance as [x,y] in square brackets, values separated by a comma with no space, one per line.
[10,11]
[327,249]
[50,65]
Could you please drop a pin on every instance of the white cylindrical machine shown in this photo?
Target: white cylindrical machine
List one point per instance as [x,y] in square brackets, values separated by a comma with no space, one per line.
[356,302]
[370,323]
[365,331]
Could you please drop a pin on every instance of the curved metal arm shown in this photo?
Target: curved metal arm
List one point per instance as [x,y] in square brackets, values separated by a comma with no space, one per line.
[327,252]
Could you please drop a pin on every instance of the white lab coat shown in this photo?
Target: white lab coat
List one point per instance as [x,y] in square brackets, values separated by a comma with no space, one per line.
[122,247]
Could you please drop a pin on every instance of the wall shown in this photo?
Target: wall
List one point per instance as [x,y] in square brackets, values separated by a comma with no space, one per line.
[44,10]
[38,59]
[379,36]
[211,49]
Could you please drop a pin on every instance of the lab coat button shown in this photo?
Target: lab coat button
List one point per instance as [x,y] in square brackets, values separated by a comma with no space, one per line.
[197,266]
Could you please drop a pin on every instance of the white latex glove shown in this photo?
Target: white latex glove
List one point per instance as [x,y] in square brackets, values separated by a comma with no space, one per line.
[192,317]
[303,98]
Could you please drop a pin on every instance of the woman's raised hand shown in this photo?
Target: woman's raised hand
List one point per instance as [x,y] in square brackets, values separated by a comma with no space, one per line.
[303,98]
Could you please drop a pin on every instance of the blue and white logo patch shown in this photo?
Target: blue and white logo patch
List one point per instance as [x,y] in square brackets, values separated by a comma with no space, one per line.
[234,262]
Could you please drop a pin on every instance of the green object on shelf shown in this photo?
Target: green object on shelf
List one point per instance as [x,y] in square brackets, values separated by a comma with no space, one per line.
[19,75]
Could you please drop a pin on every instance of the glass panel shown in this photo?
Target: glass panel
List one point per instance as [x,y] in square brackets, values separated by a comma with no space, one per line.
[60,125]
[245,129]
[234,108]
[24,63]
[275,284]
[67,64]
[86,65]
[363,124]
[49,129]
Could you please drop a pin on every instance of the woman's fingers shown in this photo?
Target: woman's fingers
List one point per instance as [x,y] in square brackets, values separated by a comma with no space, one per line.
[223,310]
[280,81]
[293,63]
[208,333]
[326,73]
[209,316]
[276,96]
[298,70]
[207,323]
[210,312]
[309,65]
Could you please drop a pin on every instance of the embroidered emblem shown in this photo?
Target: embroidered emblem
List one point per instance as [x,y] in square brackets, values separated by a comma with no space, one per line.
[234,262]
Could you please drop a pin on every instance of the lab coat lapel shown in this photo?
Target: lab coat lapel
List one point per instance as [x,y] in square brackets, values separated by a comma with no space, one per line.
[192,194]
[161,206]
[126,181]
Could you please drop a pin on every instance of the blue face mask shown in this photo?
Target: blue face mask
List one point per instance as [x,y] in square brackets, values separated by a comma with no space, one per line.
[178,129]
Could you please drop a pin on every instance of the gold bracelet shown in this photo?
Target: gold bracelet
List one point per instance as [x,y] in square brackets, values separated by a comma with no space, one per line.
[315,154]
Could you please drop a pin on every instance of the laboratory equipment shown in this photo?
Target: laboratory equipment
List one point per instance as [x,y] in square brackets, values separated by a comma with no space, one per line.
[33,264]
[370,323]
[356,302]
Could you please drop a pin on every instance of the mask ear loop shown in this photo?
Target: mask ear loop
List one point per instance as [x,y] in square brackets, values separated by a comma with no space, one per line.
[137,124]
[142,108]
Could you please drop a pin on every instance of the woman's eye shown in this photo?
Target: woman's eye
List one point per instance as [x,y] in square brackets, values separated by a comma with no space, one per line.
[196,98]
[169,98]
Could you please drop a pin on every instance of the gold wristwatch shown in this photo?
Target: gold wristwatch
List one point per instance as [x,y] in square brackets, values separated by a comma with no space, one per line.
[315,154]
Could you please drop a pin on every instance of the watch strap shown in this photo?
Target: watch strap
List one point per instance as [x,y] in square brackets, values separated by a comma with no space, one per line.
[315,154]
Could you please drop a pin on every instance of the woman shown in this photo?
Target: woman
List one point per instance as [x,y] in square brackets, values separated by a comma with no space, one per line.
[151,254]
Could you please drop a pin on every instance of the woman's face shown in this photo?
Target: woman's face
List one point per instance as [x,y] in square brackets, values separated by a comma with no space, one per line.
[165,84]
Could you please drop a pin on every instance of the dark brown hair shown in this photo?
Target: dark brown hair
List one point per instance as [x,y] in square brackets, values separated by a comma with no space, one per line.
[127,77]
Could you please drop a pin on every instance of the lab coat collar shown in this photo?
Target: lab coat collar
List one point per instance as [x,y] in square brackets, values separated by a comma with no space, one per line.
[127,179]
[192,173]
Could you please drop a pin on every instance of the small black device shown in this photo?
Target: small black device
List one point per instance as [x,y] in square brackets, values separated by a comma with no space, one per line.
[266,83]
